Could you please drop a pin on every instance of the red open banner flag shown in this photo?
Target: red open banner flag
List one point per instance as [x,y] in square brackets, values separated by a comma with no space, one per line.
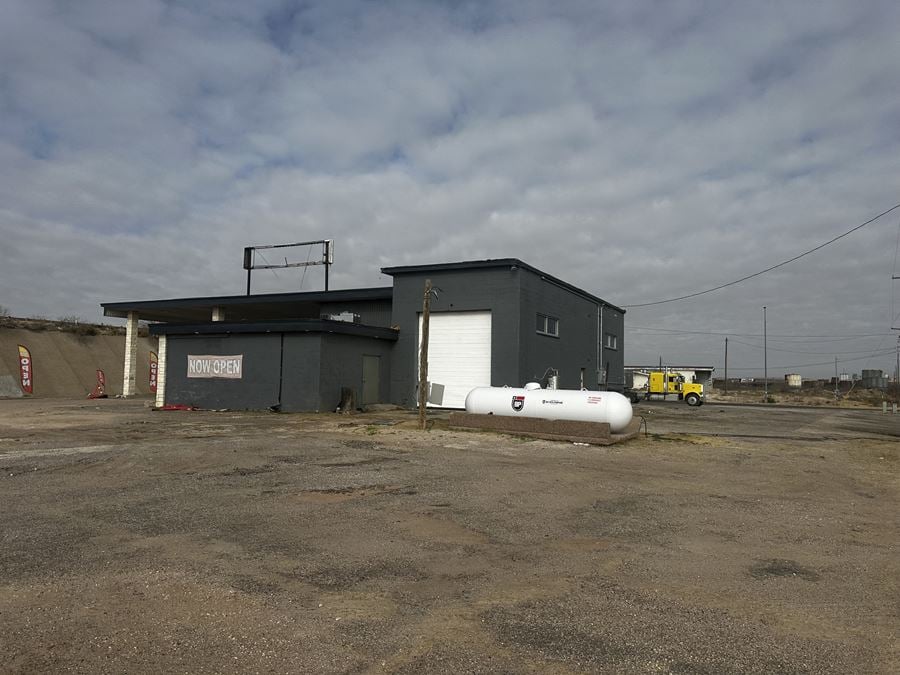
[154,366]
[100,389]
[26,370]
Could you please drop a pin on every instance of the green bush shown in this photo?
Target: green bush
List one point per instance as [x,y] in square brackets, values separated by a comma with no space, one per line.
[86,329]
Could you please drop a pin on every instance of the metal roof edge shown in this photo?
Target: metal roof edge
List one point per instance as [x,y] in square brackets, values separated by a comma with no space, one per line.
[461,265]
[342,295]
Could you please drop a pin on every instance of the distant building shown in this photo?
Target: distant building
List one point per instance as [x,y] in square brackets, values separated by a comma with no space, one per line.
[874,379]
[793,380]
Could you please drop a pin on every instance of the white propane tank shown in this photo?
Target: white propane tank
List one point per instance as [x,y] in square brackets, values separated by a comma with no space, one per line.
[552,404]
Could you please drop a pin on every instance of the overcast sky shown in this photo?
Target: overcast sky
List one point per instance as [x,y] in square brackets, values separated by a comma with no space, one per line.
[640,150]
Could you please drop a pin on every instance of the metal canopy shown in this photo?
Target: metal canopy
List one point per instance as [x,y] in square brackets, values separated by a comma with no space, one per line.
[243,307]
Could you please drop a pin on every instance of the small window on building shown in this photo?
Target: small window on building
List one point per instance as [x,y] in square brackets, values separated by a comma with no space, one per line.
[547,325]
[611,341]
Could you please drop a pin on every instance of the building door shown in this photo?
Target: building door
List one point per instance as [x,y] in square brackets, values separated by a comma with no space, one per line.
[459,354]
[371,382]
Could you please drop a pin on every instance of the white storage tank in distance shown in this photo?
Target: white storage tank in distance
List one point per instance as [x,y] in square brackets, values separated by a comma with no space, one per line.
[552,404]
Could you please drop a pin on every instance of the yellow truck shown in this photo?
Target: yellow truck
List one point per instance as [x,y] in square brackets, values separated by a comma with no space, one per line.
[661,384]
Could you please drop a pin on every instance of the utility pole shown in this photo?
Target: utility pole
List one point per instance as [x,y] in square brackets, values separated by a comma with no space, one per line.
[897,372]
[726,365]
[837,393]
[423,355]
[765,357]
[893,327]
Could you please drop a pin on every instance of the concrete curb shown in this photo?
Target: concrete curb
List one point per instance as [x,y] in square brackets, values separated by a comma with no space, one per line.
[594,433]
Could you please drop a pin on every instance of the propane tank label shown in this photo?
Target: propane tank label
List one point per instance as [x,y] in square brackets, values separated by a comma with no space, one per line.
[518,402]
[594,399]
[551,401]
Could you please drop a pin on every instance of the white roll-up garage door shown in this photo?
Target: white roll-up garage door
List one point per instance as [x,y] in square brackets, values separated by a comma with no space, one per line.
[459,353]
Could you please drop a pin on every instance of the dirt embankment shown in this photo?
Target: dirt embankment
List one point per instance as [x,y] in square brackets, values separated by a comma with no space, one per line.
[66,356]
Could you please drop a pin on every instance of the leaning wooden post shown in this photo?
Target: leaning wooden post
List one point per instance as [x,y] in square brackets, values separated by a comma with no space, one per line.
[423,354]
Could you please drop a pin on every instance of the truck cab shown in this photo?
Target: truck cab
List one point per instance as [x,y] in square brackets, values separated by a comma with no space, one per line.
[663,383]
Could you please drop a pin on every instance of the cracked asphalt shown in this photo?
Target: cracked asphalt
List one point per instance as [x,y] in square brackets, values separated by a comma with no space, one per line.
[727,539]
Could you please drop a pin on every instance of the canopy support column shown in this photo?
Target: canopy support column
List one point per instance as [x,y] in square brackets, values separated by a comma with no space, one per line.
[161,372]
[131,336]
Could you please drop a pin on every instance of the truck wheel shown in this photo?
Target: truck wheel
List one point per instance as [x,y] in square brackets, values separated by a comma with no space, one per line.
[692,399]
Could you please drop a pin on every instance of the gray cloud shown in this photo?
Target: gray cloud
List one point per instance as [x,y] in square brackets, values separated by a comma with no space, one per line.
[639,150]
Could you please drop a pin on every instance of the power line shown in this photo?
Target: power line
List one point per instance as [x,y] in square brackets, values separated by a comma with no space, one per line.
[768,269]
[798,340]
[267,263]
[820,363]
[752,335]
[791,340]
[877,352]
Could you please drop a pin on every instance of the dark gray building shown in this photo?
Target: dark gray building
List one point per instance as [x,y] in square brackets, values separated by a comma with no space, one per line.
[493,322]
[295,350]
[502,322]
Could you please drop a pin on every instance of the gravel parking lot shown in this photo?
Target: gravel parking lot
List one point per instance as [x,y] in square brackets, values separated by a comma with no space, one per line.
[727,539]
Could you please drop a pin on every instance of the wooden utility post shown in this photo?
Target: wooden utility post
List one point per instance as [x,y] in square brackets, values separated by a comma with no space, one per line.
[423,355]
[837,393]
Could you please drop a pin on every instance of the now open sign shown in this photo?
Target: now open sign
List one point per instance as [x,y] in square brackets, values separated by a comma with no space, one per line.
[215,366]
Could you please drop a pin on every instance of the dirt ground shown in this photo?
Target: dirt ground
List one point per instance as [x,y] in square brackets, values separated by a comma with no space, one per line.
[728,539]
[824,396]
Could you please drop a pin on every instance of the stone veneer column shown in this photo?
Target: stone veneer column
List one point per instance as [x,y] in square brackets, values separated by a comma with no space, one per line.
[131,336]
[161,372]
[218,314]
